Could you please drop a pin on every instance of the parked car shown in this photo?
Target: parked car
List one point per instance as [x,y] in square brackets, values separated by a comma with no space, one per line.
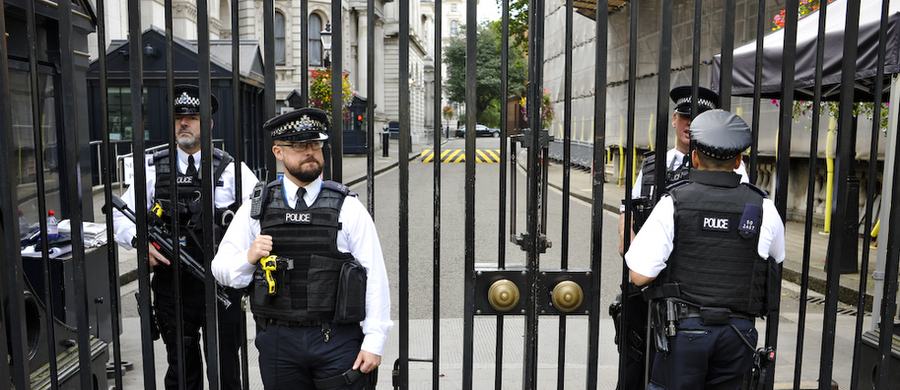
[480,131]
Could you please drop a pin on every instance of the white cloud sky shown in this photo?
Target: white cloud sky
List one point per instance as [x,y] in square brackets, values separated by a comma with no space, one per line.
[488,10]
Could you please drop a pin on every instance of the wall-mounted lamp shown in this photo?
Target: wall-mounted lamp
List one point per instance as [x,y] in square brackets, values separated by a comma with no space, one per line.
[325,36]
[149,51]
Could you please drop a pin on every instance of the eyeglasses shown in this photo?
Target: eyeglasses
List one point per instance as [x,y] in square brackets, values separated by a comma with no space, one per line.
[301,147]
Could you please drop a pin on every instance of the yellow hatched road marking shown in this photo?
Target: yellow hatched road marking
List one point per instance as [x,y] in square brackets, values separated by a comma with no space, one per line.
[459,155]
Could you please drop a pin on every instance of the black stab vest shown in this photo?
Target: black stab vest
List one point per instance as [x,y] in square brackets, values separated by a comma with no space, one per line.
[715,260]
[306,293]
[648,172]
[188,202]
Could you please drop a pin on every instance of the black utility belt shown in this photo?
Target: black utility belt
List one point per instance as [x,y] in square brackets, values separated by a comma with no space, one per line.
[291,324]
[687,310]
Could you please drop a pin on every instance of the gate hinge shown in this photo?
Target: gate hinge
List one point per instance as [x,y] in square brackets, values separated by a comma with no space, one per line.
[525,139]
[523,240]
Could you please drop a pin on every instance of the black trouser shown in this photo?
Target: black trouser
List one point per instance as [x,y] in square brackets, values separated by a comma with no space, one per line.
[291,357]
[194,319]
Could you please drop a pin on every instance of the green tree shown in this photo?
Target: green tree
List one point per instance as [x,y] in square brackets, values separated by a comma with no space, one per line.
[488,62]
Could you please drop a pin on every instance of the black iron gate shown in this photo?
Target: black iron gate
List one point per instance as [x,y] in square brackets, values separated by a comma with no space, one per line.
[44,38]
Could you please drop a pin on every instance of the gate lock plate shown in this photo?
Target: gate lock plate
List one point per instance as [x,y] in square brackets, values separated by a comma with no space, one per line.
[500,291]
[564,292]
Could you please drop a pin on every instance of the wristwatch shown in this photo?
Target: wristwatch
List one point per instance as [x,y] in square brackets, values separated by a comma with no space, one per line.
[134,242]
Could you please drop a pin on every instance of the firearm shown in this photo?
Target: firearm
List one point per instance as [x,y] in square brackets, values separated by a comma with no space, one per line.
[157,233]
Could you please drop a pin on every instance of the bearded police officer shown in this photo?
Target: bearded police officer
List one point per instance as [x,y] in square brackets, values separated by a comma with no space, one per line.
[310,254]
[707,247]
[187,204]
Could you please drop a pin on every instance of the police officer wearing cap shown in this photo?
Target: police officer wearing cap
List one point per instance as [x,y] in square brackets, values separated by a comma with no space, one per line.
[188,204]
[310,254]
[707,247]
[678,167]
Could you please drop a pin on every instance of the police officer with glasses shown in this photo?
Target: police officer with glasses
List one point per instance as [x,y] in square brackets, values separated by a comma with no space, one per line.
[187,203]
[709,248]
[310,254]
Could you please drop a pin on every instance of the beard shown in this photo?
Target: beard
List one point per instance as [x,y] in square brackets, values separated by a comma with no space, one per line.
[188,141]
[305,175]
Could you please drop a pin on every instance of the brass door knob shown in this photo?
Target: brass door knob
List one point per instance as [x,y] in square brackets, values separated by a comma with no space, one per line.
[567,296]
[503,295]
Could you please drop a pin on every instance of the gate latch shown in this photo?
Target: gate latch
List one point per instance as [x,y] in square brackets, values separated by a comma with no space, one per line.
[524,241]
[525,140]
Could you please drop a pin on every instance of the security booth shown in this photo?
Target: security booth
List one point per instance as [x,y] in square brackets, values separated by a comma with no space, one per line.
[43,69]
[355,133]
[157,132]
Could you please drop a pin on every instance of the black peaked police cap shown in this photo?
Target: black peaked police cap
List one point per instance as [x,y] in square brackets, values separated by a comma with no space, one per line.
[305,124]
[708,100]
[187,100]
[720,134]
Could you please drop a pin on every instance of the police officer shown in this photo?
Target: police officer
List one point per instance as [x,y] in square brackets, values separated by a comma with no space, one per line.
[187,203]
[309,251]
[642,195]
[708,245]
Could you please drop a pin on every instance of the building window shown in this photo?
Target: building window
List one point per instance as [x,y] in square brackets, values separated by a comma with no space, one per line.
[453,7]
[120,123]
[454,27]
[279,39]
[315,40]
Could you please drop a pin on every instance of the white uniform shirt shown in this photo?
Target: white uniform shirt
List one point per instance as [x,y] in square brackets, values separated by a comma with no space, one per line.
[357,237]
[224,195]
[651,248]
[674,158]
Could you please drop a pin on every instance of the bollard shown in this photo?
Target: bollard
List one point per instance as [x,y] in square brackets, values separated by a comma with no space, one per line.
[385,143]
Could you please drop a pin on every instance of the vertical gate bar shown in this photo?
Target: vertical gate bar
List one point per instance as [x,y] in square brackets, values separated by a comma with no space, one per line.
[761,18]
[304,53]
[567,179]
[41,187]
[177,295]
[140,193]
[207,187]
[727,55]
[662,118]
[112,252]
[597,190]
[695,53]
[535,178]
[844,170]
[238,128]
[75,213]
[269,90]
[370,105]
[811,182]
[889,300]
[469,233]
[403,217]
[782,171]
[12,272]
[436,175]
[870,192]
[695,60]
[337,83]
[629,168]
[504,152]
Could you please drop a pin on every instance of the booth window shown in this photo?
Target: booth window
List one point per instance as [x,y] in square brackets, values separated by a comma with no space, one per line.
[279,39]
[120,128]
[315,40]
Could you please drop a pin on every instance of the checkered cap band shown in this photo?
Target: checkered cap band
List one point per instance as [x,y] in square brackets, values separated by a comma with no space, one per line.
[304,124]
[187,100]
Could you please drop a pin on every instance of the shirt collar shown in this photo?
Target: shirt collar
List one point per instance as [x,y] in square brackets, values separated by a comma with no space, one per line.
[183,160]
[290,191]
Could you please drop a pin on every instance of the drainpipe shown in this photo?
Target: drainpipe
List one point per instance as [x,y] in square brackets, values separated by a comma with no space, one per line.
[621,151]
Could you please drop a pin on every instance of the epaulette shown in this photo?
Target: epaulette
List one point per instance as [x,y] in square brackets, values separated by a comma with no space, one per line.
[757,189]
[335,186]
[677,184]
[158,155]
[274,183]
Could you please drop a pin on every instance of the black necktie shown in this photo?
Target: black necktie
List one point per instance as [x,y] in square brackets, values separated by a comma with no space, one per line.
[191,169]
[301,204]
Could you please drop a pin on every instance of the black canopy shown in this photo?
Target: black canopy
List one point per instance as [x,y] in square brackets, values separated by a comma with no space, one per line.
[805,59]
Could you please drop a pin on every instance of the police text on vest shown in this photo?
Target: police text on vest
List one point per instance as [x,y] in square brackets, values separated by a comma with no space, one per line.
[718,224]
[297,218]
